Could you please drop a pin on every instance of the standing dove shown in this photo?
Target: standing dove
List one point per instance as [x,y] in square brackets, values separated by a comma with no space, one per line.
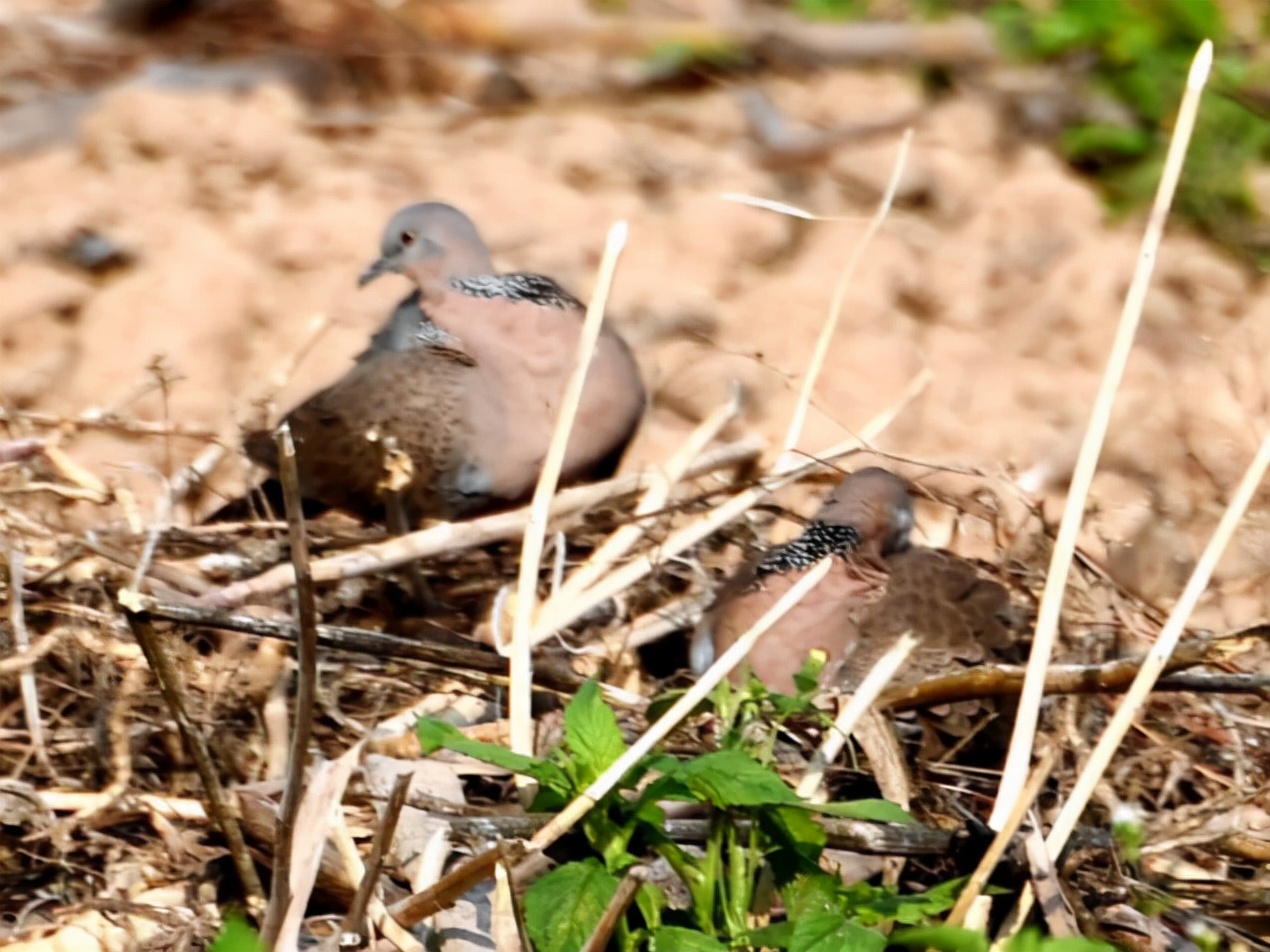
[451,408]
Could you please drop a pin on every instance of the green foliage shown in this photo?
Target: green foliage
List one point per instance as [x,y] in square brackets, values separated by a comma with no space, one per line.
[1140,52]
[830,9]
[1129,60]
[1031,940]
[941,938]
[678,57]
[745,867]
[562,908]
[1130,834]
[236,935]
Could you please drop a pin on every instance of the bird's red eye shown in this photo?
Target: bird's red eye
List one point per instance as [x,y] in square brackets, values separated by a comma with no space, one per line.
[407,237]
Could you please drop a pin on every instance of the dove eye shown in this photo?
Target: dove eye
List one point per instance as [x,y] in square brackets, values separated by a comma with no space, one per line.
[407,237]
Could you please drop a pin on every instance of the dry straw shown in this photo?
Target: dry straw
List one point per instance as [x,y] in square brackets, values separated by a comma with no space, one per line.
[1140,690]
[624,538]
[874,682]
[830,325]
[1015,773]
[521,717]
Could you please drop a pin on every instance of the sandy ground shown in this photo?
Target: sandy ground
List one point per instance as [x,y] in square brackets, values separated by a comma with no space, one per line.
[997,271]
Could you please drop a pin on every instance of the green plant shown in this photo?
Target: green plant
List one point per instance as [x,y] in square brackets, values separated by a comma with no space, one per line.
[1127,62]
[830,9]
[236,935]
[1031,940]
[1137,53]
[678,57]
[761,835]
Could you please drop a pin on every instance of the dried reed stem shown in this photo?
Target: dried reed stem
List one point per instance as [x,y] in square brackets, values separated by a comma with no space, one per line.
[1015,772]
[379,846]
[21,643]
[623,896]
[306,689]
[653,500]
[1158,656]
[450,537]
[996,849]
[783,208]
[219,807]
[879,677]
[799,417]
[521,669]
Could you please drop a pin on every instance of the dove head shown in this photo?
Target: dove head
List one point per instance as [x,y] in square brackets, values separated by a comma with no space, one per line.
[430,243]
[877,504]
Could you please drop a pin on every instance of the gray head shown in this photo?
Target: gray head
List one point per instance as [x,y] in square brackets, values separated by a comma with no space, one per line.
[877,504]
[430,242]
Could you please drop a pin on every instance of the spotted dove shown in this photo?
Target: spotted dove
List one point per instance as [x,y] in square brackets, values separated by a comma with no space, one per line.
[878,588]
[464,380]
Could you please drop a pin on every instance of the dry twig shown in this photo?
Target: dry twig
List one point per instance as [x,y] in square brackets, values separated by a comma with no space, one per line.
[306,690]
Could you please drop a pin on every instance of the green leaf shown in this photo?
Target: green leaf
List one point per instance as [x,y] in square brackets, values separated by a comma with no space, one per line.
[814,892]
[942,897]
[829,9]
[678,939]
[591,733]
[878,811]
[1031,940]
[873,905]
[1026,940]
[776,936]
[563,908]
[1194,20]
[831,932]
[728,778]
[1104,142]
[650,900]
[800,840]
[807,680]
[555,789]
[236,935]
[665,788]
[943,938]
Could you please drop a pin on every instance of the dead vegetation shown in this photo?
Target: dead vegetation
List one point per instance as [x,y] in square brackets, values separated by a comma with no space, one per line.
[106,812]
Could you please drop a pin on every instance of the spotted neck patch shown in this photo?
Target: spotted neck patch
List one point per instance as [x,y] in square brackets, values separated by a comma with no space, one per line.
[819,540]
[519,286]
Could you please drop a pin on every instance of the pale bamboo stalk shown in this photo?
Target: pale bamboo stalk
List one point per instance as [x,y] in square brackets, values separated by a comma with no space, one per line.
[450,537]
[521,665]
[621,541]
[879,677]
[1019,755]
[1158,656]
[830,326]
